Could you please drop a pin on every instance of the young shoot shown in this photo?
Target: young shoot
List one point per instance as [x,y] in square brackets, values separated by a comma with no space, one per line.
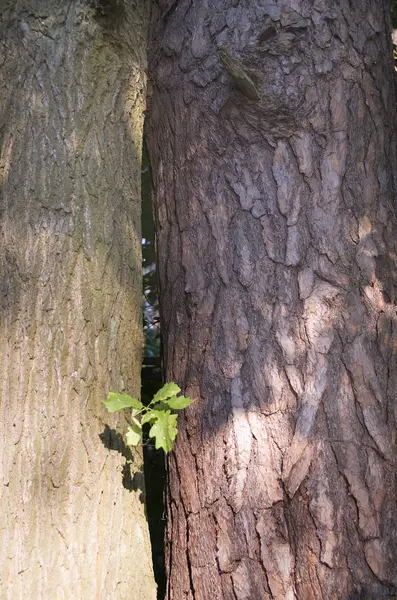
[157,413]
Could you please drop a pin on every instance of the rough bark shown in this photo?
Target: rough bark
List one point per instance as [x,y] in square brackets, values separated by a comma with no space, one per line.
[72,100]
[277,260]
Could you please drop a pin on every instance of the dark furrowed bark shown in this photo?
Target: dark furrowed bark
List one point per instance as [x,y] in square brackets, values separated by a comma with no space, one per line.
[72,100]
[272,142]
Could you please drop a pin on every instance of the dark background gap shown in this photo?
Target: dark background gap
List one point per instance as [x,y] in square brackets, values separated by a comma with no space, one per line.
[152,380]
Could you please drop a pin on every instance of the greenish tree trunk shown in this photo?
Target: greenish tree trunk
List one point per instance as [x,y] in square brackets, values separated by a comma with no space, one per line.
[71,498]
[272,137]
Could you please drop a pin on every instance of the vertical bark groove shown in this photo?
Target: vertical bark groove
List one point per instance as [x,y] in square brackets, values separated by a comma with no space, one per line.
[276,250]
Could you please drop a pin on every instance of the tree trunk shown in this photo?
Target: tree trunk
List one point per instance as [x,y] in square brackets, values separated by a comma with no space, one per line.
[272,141]
[71,499]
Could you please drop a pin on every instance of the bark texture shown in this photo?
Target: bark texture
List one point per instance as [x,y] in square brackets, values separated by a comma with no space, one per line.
[277,261]
[72,99]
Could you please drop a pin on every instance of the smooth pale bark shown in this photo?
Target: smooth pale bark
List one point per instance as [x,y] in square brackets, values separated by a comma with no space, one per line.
[72,98]
[277,260]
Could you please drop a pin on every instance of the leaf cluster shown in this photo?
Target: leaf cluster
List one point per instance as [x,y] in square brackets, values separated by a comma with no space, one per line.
[163,423]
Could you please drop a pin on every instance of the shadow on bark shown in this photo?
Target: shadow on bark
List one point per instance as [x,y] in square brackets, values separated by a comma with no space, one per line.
[113,440]
[374,592]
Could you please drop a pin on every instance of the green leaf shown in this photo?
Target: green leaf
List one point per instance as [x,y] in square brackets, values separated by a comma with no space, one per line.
[150,417]
[167,391]
[117,401]
[161,406]
[164,430]
[178,402]
[134,435]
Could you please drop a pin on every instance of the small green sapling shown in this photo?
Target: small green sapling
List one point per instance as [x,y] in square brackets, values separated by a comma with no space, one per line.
[157,413]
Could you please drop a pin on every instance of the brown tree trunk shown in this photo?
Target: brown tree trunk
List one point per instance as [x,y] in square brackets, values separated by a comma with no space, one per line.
[72,97]
[272,141]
